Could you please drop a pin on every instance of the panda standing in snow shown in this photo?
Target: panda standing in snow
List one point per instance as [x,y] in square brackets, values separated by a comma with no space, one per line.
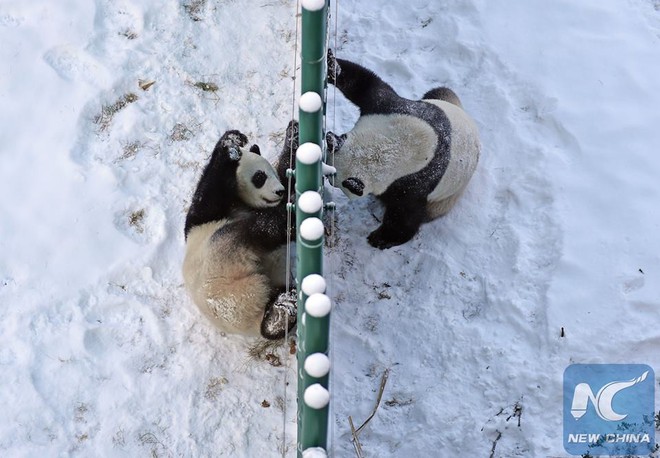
[236,235]
[416,156]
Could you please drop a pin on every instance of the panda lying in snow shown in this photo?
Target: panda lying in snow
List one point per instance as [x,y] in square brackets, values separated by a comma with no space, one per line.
[416,156]
[236,234]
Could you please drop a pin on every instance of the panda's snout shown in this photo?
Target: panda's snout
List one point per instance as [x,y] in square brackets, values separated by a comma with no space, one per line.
[278,190]
[274,197]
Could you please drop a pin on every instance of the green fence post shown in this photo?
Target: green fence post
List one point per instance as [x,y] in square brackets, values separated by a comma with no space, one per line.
[313,304]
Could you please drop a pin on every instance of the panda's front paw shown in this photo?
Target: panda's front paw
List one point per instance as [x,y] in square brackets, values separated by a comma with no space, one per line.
[280,316]
[334,142]
[231,142]
[292,129]
[333,68]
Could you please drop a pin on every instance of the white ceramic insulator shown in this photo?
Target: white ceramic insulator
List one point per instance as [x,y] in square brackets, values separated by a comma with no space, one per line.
[316,396]
[310,202]
[310,102]
[309,153]
[312,284]
[313,5]
[315,452]
[318,305]
[317,365]
[311,229]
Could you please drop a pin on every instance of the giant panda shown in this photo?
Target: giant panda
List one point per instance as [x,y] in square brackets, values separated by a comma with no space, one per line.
[236,234]
[416,156]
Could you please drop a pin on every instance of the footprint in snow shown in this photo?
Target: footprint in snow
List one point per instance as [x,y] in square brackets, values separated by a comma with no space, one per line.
[142,224]
[73,64]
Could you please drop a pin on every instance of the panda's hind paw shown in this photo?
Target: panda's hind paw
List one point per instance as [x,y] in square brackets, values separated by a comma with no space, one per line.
[377,240]
[280,316]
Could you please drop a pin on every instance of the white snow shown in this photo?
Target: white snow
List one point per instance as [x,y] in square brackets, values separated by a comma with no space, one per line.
[310,102]
[316,452]
[313,5]
[103,354]
[313,284]
[311,229]
[310,202]
[309,153]
[317,365]
[318,305]
[327,169]
[316,397]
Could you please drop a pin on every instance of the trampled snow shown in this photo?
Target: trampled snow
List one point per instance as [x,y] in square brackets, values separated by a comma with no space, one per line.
[552,256]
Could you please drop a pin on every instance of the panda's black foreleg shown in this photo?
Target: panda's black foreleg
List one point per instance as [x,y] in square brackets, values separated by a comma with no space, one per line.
[287,156]
[280,315]
[361,86]
[218,180]
[268,228]
[287,159]
[401,222]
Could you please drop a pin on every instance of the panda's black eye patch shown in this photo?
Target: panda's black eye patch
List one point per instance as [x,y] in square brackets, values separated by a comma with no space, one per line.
[259,179]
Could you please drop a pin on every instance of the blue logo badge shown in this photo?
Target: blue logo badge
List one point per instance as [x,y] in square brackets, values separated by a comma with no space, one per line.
[609,409]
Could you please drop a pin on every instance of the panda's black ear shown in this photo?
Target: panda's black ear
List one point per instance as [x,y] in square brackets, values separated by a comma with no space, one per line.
[255,149]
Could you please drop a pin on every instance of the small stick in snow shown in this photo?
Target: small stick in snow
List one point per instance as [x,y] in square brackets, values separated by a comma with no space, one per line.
[356,432]
[492,450]
[356,441]
[146,84]
[383,381]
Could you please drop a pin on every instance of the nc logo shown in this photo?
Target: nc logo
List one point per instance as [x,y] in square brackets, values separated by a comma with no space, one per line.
[602,401]
[619,420]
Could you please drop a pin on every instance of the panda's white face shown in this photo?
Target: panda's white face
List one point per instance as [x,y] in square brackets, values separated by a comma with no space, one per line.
[258,184]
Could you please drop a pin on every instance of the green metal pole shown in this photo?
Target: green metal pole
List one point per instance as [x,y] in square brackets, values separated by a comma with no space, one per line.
[313,305]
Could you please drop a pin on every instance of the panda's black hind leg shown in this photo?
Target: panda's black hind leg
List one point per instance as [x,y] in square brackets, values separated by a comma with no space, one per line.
[280,316]
[400,223]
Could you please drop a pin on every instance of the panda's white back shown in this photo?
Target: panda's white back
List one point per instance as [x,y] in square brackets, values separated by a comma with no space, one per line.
[381,148]
[465,150]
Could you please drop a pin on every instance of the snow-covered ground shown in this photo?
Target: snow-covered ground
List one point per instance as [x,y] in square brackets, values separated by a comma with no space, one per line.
[103,354]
